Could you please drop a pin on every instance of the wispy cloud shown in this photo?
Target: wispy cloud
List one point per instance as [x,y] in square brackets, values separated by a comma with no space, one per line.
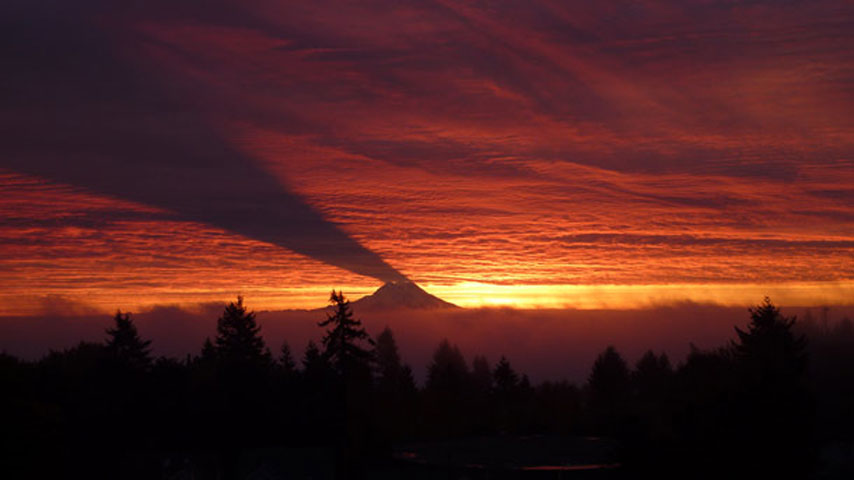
[624,143]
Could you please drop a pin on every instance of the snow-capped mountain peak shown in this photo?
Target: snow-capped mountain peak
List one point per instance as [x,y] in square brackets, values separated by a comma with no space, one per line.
[401,295]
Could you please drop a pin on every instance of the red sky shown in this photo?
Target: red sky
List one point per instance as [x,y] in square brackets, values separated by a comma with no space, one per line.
[540,153]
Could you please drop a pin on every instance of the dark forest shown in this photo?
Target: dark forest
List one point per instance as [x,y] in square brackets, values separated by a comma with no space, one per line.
[775,401]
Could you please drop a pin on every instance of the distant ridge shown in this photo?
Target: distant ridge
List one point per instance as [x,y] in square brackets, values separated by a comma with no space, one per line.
[400,296]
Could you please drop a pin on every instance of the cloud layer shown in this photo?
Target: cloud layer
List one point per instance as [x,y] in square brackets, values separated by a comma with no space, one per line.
[85,110]
[538,144]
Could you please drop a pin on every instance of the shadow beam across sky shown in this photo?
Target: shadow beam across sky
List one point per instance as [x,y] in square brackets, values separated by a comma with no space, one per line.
[78,112]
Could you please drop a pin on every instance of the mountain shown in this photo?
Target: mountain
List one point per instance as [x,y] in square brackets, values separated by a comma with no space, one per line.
[399,296]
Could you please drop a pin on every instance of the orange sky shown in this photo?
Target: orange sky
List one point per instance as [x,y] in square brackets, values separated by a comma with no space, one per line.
[546,154]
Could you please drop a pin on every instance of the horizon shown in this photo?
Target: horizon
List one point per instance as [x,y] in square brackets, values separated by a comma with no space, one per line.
[478,295]
[566,340]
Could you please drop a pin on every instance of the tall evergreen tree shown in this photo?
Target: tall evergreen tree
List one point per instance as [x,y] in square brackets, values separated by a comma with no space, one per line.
[448,371]
[389,368]
[652,382]
[776,407]
[286,360]
[609,379]
[481,374]
[395,389]
[312,357]
[769,347]
[651,376]
[238,340]
[609,389]
[506,379]
[208,354]
[345,338]
[507,395]
[448,399]
[125,344]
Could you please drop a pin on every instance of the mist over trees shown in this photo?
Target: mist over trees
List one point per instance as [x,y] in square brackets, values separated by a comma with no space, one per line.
[764,404]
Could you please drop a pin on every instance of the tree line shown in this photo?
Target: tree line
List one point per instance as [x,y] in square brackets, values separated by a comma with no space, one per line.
[762,404]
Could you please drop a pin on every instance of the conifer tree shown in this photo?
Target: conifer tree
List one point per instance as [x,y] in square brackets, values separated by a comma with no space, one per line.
[208,351]
[481,374]
[238,340]
[393,377]
[395,397]
[769,347]
[125,344]
[286,360]
[609,387]
[315,366]
[312,356]
[609,379]
[388,366]
[651,376]
[506,379]
[344,339]
[448,371]
[407,380]
[776,409]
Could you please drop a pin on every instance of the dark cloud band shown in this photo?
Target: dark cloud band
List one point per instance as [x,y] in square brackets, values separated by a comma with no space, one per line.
[78,113]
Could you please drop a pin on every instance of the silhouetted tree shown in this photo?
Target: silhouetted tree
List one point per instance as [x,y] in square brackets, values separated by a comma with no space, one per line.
[609,378]
[125,344]
[387,357]
[343,342]
[707,434]
[208,353]
[286,360]
[241,381]
[776,405]
[447,371]
[609,391]
[651,377]
[321,395]
[769,347]
[393,377]
[480,395]
[314,363]
[407,380]
[129,390]
[507,395]
[446,394]
[506,379]
[345,345]
[238,341]
[395,388]
[288,398]
[651,409]
[481,374]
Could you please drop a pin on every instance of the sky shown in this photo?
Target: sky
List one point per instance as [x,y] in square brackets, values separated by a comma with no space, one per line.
[538,154]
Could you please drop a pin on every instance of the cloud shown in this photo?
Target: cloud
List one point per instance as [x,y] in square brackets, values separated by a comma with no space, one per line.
[83,114]
[549,142]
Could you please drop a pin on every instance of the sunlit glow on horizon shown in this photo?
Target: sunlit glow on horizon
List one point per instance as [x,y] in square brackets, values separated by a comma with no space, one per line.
[467,295]
[622,297]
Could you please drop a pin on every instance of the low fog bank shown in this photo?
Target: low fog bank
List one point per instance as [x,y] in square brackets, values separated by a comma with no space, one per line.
[545,344]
